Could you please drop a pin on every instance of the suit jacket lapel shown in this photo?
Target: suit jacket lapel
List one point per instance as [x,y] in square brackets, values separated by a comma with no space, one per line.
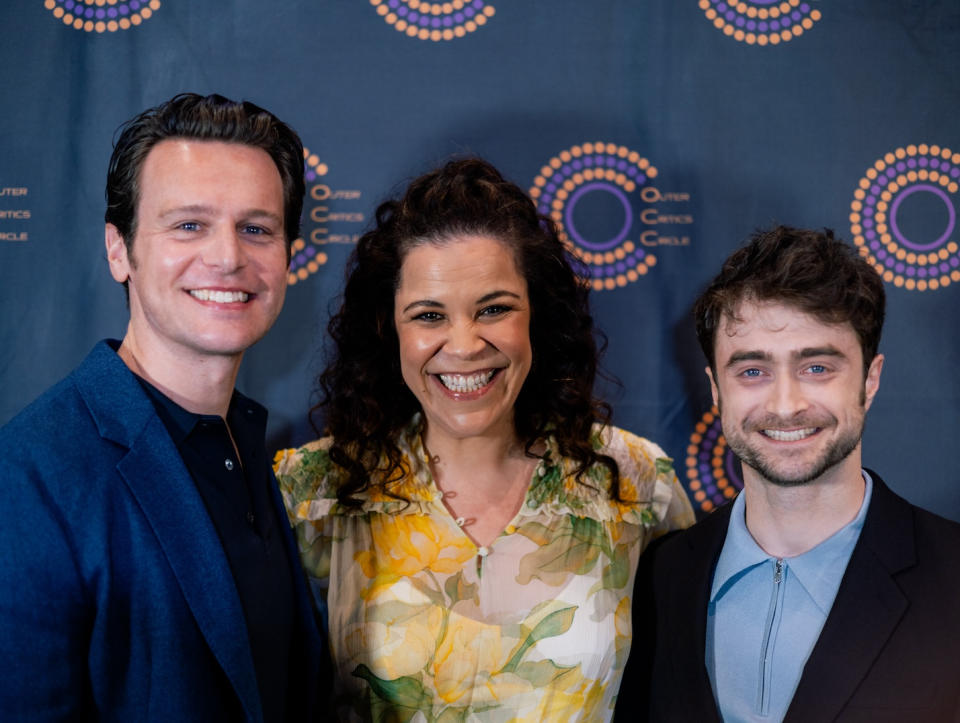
[159,481]
[867,609]
[688,599]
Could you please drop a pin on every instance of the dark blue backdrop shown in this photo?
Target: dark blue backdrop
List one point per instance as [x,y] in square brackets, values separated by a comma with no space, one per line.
[661,132]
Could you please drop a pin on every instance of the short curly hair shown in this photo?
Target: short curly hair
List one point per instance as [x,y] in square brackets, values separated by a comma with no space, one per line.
[363,399]
[810,270]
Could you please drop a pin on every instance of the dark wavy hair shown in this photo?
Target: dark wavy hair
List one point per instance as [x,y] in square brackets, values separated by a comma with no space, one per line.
[363,398]
[209,118]
[809,270]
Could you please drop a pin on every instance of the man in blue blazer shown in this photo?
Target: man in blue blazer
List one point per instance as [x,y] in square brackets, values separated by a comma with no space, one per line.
[818,594]
[147,570]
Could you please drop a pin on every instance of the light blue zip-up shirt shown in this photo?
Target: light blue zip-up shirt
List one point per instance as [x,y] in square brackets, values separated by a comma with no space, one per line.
[765,615]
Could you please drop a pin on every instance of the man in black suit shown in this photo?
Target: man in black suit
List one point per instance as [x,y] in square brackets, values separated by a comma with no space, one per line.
[818,594]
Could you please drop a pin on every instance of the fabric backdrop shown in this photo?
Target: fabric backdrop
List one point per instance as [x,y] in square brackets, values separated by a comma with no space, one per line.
[659,133]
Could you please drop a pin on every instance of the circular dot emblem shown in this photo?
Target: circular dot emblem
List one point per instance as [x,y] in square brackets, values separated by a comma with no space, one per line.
[436,21]
[596,168]
[878,217]
[99,16]
[761,22]
[712,473]
[306,258]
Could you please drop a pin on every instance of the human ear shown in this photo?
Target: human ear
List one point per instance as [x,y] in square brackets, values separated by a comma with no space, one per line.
[714,390]
[117,255]
[872,383]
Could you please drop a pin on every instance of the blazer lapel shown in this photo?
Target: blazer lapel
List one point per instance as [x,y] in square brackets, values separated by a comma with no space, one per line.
[688,599]
[867,609]
[158,479]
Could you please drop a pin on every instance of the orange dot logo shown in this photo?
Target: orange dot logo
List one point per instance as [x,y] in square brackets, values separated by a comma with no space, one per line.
[713,476]
[307,258]
[903,217]
[436,21]
[102,16]
[761,22]
[332,217]
[612,175]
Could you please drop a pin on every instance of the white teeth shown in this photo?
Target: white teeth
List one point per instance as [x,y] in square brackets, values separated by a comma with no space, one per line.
[791,436]
[220,297]
[466,382]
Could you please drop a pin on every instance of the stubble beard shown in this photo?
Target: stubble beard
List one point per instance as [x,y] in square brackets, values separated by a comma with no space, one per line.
[837,451]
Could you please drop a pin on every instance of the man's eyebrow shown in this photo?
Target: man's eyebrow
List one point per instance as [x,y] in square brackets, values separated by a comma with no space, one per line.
[750,355]
[189,208]
[261,213]
[205,210]
[805,353]
[812,351]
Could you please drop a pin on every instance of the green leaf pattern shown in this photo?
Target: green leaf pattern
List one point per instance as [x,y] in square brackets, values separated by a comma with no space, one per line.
[419,634]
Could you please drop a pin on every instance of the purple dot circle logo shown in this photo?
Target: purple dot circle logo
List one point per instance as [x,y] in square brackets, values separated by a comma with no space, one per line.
[761,22]
[597,168]
[880,215]
[102,16]
[436,21]
[307,258]
[712,473]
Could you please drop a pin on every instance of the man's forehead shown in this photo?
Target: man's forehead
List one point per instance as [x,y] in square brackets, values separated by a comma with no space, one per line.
[779,323]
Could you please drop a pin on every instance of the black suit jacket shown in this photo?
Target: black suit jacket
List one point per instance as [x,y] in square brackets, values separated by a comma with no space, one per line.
[889,650]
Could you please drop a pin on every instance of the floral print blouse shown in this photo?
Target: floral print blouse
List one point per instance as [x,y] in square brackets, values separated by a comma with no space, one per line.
[426,626]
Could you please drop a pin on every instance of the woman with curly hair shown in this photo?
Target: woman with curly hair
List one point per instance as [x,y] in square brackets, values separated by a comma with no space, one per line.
[471,525]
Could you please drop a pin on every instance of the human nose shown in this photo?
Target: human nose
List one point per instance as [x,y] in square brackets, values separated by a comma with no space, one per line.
[225,251]
[463,340]
[786,397]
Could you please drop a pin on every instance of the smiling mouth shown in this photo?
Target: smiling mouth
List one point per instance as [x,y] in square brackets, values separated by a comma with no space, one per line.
[220,297]
[467,382]
[792,435]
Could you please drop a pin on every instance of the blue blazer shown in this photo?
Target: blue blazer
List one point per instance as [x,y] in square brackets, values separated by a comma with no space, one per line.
[116,597]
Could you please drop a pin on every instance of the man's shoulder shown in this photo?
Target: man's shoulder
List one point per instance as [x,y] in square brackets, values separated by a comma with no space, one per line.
[79,410]
[936,538]
[888,510]
[705,538]
[916,546]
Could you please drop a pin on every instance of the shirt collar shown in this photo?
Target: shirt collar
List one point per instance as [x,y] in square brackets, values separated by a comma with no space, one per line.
[818,570]
[243,413]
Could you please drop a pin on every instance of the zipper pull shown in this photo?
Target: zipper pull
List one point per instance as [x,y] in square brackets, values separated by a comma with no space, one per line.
[778,572]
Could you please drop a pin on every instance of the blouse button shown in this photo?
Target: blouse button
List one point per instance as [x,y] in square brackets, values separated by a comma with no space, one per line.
[228,463]
[483,551]
[461,521]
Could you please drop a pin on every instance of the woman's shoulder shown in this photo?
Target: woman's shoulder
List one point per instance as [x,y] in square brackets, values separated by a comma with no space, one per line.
[309,480]
[639,459]
[648,481]
[306,473]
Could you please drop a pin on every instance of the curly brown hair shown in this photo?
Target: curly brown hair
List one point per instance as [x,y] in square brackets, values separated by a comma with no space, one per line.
[363,398]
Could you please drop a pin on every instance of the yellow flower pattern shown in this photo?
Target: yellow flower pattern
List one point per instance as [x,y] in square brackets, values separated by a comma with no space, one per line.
[425,626]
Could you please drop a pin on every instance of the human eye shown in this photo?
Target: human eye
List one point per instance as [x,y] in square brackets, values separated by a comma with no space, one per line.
[751,373]
[817,369]
[428,317]
[494,310]
[188,226]
[258,231]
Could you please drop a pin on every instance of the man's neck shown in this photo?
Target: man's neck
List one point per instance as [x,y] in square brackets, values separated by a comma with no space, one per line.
[788,521]
[202,385]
